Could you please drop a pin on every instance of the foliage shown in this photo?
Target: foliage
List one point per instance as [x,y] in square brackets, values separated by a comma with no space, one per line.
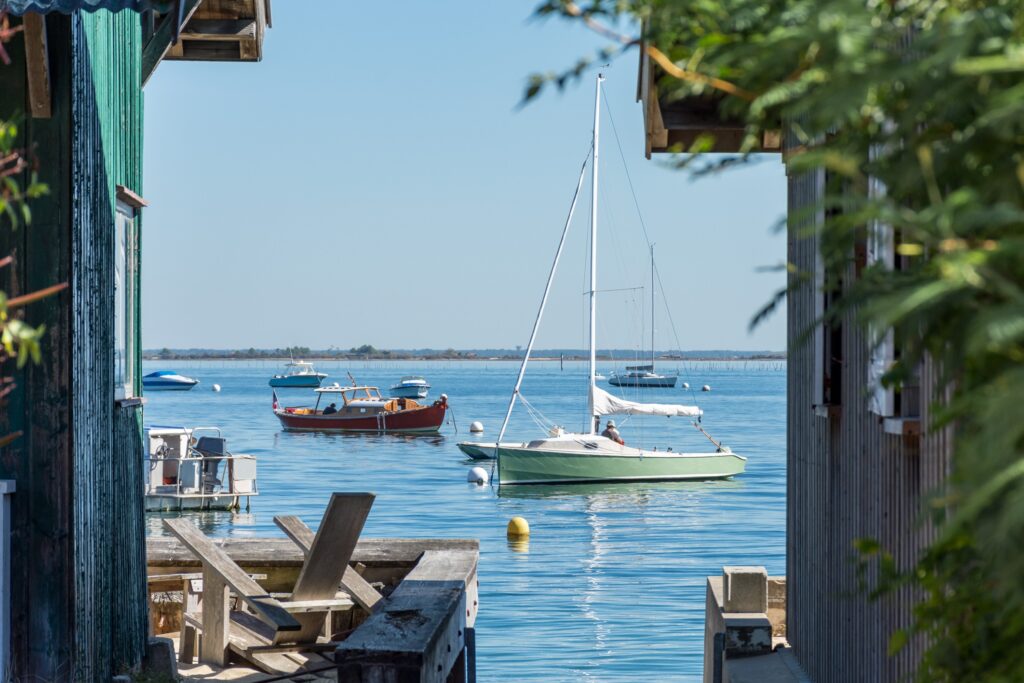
[917,108]
[19,184]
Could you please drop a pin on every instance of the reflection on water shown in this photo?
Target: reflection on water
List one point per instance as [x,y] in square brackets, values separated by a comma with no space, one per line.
[610,584]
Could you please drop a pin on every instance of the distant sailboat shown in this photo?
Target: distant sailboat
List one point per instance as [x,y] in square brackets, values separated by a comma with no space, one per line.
[644,375]
[562,457]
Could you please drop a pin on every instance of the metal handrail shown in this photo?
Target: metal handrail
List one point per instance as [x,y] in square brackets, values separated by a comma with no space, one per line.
[206,458]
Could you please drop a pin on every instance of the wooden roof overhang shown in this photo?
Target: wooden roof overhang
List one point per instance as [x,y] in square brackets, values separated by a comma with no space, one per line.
[675,124]
[205,30]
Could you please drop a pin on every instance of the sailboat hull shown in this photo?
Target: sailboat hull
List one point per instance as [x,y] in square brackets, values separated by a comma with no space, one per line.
[655,381]
[557,462]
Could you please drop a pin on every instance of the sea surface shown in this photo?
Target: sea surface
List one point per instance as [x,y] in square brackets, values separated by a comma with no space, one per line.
[611,585]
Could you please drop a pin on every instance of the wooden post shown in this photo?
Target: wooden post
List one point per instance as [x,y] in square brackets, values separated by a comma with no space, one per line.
[37,64]
[216,606]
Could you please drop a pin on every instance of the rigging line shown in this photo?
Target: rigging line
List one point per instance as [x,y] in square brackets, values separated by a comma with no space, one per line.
[672,324]
[544,299]
[625,167]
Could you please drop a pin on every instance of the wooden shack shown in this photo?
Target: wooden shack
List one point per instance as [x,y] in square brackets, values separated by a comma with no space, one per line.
[78,575]
[859,464]
[676,123]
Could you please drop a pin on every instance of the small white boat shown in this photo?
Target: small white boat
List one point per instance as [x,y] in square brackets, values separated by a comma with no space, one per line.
[298,374]
[191,469]
[167,380]
[411,386]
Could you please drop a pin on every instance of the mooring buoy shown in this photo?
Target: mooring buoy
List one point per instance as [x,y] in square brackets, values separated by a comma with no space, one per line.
[477,475]
[518,528]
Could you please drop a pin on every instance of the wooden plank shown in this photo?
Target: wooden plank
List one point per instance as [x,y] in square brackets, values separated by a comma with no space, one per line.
[163,37]
[216,608]
[220,29]
[168,552]
[217,560]
[37,63]
[299,606]
[365,595]
[328,557]
[420,628]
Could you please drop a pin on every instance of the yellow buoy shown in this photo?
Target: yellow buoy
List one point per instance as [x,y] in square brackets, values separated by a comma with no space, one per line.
[518,528]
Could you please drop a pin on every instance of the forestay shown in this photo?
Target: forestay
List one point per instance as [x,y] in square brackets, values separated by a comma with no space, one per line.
[607,404]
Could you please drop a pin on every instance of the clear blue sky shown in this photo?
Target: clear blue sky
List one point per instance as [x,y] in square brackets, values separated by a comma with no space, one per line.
[372,181]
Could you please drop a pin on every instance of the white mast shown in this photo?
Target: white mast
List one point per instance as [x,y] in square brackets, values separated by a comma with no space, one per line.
[652,308]
[592,427]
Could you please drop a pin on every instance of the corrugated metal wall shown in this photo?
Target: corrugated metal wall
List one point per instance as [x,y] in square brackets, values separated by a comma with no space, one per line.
[110,606]
[847,479]
[79,609]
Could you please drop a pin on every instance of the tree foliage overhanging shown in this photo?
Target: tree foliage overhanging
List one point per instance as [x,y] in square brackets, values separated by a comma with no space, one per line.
[924,98]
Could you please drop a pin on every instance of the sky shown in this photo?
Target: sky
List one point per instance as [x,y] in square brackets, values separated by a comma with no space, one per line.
[373,181]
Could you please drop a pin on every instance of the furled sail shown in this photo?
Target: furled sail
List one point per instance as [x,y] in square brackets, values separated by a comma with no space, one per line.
[606,404]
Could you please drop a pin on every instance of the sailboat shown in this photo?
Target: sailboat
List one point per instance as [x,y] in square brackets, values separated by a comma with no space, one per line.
[644,375]
[562,457]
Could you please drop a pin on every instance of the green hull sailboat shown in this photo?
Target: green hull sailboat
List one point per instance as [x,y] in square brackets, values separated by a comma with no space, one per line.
[578,458]
[561,457]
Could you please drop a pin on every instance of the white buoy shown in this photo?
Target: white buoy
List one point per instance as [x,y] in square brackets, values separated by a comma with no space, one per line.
[216,387]
[686,385]
[477,475]
[476,427]
[706,387]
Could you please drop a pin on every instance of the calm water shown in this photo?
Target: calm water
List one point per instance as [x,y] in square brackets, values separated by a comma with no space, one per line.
[611,586]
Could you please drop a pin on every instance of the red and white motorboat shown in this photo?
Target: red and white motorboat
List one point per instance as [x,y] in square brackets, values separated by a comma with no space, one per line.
[362,409]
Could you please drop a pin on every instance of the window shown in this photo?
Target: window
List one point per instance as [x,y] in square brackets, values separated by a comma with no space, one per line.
[126,274]
[900,407]
[828,286]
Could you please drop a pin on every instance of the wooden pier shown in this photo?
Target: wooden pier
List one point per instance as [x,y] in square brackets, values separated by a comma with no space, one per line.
[422,629]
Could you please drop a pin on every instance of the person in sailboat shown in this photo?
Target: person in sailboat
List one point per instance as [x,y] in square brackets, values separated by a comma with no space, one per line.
[611,432]
[331,409]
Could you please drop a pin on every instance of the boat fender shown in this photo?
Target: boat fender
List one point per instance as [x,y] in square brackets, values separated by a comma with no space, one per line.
[476,427]
[477,475]
[443,401]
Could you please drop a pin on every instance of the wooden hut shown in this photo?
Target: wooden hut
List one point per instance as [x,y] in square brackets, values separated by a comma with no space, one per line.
[78,577]
[858,463]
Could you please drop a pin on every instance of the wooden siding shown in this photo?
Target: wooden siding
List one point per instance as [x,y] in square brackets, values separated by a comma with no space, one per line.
[79,608]
[847,479]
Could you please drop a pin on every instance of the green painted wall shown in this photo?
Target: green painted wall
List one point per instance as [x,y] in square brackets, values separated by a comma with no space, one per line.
[79,608]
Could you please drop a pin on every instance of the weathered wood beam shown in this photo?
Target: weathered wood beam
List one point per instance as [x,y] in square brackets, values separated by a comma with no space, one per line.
[168,552]
[419,633]
[217,563]
[37,63]
[164,36]
[361,591]
[220,29]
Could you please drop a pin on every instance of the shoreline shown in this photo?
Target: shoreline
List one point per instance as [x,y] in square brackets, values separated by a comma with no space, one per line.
[533,359]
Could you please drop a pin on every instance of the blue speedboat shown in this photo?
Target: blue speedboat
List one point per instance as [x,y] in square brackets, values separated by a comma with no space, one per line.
[167,380]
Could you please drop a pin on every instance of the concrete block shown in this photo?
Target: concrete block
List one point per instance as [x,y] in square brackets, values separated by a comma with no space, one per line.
[160,659]
[746,589]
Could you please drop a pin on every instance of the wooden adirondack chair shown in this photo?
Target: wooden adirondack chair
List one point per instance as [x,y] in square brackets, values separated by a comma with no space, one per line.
[280,626]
